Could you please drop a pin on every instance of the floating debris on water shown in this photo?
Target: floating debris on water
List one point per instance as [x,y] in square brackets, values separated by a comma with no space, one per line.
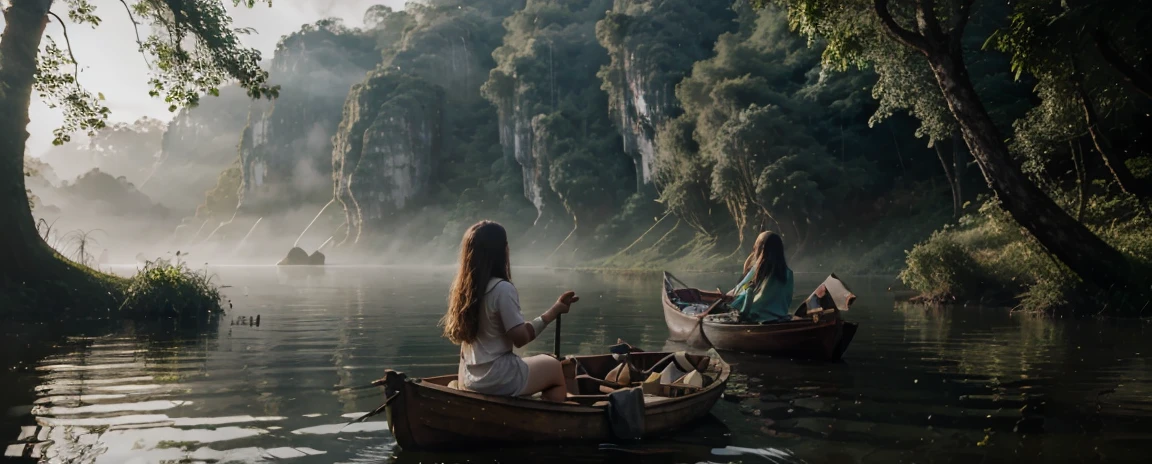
[247,321]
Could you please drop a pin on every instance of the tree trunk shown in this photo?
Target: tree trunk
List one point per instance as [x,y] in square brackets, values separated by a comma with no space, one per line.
[1120,172]
[1086,254]
[23,254]
[958,167]
[950,175]
[1081,178]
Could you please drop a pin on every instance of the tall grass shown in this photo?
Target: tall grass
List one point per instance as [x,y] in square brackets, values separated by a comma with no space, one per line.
[163,290]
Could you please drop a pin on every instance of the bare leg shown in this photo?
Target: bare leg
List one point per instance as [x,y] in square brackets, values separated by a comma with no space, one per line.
[545,375]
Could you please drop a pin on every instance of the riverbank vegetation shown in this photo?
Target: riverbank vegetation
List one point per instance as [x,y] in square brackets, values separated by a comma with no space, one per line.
[986,152]
[195,51]
[165,290]
[988,258]
[160,291]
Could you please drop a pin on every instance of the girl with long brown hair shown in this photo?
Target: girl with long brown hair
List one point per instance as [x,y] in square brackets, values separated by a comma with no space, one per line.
[484,318]
[765,293]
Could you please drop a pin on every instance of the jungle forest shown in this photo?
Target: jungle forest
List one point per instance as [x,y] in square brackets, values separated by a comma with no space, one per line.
[985,152]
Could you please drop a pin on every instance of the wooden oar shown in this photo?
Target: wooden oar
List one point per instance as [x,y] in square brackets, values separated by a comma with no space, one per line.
[556,343]
[715,304]
[700,316]
[375,411]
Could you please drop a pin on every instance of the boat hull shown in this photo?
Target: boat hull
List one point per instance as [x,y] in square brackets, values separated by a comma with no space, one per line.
[682,327]
[820,340]
[826,338]
[427,415]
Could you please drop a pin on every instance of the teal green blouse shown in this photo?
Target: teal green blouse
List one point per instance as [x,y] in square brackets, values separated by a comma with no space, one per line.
[771,302]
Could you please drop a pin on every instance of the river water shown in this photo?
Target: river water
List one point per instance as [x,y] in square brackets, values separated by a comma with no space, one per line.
[917,385]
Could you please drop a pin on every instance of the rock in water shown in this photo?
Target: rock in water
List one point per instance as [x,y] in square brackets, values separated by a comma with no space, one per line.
[296,257]
[317,258]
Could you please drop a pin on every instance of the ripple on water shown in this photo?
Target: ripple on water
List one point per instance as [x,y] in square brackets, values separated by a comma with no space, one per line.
[156,405]
[917,384]
[344,427]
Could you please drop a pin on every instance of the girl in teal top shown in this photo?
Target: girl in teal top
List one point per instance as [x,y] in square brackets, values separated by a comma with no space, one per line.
[765,293]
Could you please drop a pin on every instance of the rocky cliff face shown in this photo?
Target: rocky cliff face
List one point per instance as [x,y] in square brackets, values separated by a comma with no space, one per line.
[286,149]
[653,44]
[199,143]
[385,148]
[523,141]
[637,118]
[396,136]
[546,71]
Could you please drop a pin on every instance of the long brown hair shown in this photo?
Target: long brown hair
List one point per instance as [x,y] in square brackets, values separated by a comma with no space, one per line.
[483,255]
[767,258]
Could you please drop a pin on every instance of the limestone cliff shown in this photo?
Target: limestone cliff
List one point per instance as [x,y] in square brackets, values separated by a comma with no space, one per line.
[653,44]
[551,109]
[385,148]
[286,149]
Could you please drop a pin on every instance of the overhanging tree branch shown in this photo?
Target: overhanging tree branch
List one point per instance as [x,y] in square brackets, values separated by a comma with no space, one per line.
[902,35]
[68,42]
[136,28]
[1120,172]
[1130,74]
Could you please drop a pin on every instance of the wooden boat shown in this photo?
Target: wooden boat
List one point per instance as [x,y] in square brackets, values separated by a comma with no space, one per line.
[820,333]
[429,414]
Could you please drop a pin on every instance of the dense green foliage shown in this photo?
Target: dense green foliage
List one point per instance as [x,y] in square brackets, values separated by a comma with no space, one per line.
[776,142]
[652,46]
[988,258]
[163,290]
[192,50]
[929,48]
[667,133]
[450,44]
[552,113]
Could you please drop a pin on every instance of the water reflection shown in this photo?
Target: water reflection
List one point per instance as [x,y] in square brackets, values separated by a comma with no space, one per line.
[917,385]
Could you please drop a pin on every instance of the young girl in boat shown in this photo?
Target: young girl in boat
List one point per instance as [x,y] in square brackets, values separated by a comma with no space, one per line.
[484,318]
[765,293]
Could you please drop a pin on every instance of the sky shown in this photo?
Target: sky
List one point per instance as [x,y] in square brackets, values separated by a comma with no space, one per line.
[111,64]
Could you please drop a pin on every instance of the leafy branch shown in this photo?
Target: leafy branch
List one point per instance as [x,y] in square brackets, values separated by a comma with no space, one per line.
[195,51]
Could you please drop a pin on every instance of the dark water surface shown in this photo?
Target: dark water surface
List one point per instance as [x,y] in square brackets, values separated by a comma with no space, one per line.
[917,385]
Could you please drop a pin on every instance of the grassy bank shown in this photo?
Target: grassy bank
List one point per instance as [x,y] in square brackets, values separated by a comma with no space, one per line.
[989,259]
[875,247]
[160,291]
[983,258]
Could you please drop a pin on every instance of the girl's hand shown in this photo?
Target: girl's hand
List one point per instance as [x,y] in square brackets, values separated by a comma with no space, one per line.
[564,303]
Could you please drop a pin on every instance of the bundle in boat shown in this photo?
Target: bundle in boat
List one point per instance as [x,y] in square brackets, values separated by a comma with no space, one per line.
[831,296]
[671,377]
[817,331]
[428,413]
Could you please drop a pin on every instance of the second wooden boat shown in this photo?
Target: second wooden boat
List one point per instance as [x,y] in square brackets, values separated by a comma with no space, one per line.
[428,413]
[820,333]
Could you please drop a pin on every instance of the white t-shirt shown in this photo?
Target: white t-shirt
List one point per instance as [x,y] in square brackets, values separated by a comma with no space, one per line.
[488,365]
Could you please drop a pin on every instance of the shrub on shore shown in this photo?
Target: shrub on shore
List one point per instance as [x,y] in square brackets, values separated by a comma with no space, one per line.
[162,290]
[988,258]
